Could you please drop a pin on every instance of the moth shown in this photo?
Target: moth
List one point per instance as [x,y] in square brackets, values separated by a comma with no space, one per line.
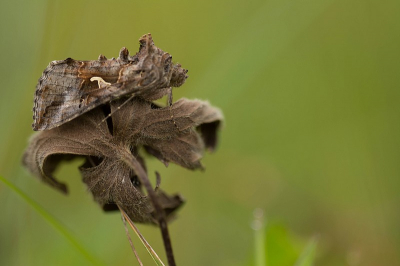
[69,88]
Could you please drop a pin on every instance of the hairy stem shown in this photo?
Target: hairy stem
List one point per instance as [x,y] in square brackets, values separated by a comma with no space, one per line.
[131,161]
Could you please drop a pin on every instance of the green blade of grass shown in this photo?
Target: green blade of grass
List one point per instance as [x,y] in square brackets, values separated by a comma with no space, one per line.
[308,255]
[53,222]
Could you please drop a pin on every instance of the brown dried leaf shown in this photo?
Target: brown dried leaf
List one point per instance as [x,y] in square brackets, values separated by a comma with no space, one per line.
[168,133]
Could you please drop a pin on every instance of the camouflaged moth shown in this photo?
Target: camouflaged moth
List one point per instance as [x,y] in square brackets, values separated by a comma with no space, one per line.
[69,88]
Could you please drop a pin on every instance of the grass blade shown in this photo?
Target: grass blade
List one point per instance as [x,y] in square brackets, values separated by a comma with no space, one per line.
[53,222]
[308,255]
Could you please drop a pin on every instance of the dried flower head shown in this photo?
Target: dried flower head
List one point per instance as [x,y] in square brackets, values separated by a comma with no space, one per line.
[178,133]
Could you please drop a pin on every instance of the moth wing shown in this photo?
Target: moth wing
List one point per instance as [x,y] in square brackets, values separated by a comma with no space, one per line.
[65,90]
[54,109]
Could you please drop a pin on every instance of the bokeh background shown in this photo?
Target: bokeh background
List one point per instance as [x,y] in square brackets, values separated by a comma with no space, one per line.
[310,92]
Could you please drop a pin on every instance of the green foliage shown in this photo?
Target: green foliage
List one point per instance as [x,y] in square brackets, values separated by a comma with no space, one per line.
[307,257]
[280,247]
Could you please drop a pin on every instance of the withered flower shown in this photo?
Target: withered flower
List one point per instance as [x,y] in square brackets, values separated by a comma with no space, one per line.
[178,133]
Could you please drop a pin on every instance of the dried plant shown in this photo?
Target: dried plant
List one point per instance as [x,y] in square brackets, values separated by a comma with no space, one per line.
[114,169]
[110,122]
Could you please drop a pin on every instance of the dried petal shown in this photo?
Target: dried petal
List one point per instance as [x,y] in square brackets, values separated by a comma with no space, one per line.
[168,133]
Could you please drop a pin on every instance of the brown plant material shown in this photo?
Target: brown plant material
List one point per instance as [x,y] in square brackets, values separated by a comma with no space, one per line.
[69,88]
[75,106]
[178,133]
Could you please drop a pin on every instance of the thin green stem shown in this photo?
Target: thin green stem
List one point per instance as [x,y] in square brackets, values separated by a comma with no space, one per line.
[259,238]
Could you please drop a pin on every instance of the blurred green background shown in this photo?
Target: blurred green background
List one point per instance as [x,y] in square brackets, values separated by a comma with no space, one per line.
[310,92]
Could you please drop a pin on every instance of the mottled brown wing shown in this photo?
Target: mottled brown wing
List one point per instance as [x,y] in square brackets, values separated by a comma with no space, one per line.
[66,91]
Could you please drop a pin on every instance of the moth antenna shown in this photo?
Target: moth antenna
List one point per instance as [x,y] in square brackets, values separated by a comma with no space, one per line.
[113,112]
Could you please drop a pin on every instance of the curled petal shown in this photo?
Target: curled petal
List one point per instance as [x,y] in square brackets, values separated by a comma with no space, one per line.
[47,149]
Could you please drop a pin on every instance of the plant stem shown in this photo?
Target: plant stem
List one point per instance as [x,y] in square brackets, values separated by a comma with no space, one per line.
[131,161]
[149,249]
[129,238]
